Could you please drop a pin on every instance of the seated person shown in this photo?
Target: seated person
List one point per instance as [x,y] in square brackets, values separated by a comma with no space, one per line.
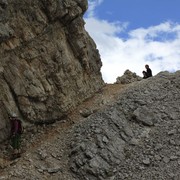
[148,71]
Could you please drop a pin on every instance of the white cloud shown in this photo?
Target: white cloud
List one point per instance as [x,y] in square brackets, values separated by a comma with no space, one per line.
[92,4]
[158,46]
[103,27]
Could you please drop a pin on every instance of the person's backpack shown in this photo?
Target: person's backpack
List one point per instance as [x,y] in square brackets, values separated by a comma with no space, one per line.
[20,128]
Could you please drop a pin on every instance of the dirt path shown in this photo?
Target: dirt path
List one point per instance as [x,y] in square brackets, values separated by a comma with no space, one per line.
[91,105]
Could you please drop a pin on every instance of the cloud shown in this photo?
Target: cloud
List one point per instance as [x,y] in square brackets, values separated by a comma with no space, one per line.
[92,4]
[120,49]
[104,28]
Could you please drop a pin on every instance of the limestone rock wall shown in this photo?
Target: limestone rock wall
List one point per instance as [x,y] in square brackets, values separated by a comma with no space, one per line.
[48,62]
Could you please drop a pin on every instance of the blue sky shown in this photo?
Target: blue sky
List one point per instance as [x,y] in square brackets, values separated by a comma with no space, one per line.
[132,33]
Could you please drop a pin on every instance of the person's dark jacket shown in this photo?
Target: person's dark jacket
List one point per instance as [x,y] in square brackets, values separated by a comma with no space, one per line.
[16,127]
[149,72]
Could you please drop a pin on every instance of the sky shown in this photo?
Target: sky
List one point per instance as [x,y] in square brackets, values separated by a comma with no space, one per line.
[132,33]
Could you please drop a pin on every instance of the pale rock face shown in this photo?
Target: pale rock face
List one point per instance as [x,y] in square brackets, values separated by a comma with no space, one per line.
[48,62]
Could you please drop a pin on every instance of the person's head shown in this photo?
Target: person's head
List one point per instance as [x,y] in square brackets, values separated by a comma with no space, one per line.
[146,66]
[13,116]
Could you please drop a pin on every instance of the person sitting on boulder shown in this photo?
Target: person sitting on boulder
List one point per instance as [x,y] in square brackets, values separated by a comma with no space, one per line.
[16,131]
[148,71]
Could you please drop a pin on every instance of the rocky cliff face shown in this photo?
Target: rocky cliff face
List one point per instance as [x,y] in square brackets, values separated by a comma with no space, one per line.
[48,62]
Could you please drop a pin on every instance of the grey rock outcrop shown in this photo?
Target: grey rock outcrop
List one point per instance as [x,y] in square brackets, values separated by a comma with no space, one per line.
[137,137]
[48,62]
[128,77]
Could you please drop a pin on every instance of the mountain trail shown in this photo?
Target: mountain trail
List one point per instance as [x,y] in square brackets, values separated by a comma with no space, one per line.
[35,141]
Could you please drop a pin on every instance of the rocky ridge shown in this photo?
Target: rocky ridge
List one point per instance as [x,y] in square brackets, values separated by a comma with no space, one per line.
[137,137]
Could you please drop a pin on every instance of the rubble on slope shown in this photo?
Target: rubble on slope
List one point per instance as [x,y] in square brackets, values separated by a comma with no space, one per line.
[137,137]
